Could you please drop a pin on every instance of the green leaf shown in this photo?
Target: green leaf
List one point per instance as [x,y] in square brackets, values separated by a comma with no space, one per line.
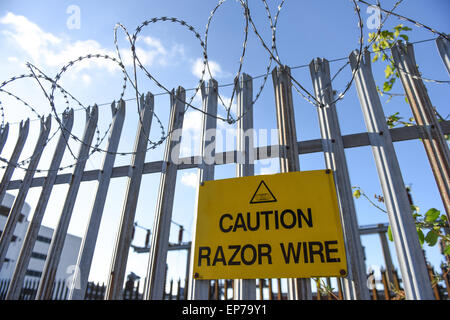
[396,116]
[384,33]
[375,58]
[447,250]
[393,119]
[388,71]
[421,236]
[431,238]
[357,194]
[432,214]
[388,35]
[375,47]
[399,27]
[404,37]
[387,86]
[389,232]
[384,44]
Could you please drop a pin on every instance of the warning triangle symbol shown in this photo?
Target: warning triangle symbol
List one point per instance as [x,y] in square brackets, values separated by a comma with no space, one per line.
[263,194]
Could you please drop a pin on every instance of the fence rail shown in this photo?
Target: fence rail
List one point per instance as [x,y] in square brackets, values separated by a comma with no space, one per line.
[353,140]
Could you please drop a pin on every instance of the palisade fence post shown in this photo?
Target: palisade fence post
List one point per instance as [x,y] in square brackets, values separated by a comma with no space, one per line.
[178,288]
[19,201]
[225,289]
[22,292]
[35,223]
[66,293]
[23,134]
[425,116]
[245,289]
[166,193]
[387,256]
[387,292]
[355,284]
[340,290]
[83,266]
[198,289]
[4,136]
[57,292]
[123,240]
[3,287]
[279,292]
[409,251]
[298,289]
[186,276]
[444,50]
[35,287]
[59,235]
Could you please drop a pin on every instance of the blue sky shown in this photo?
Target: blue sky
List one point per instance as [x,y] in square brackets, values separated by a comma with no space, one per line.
[37,32]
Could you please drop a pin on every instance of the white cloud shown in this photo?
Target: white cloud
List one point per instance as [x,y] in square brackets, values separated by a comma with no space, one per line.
[153,43]
[269,166]
[189,179]
[193,121]
[32,39]
[86,79]
[268,170]
[192,124]
[152,52]
[44,49]
[216,69]
[156,53]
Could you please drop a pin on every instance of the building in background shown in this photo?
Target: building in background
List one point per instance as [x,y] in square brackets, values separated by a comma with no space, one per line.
[39,254]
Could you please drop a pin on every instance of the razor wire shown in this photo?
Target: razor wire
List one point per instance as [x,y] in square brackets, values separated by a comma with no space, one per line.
[273,57]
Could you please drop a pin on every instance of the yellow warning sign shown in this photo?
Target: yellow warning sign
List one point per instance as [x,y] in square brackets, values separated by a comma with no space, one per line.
[272,226]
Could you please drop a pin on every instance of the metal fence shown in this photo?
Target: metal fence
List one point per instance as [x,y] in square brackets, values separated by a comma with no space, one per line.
[412,265]
[267,289]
